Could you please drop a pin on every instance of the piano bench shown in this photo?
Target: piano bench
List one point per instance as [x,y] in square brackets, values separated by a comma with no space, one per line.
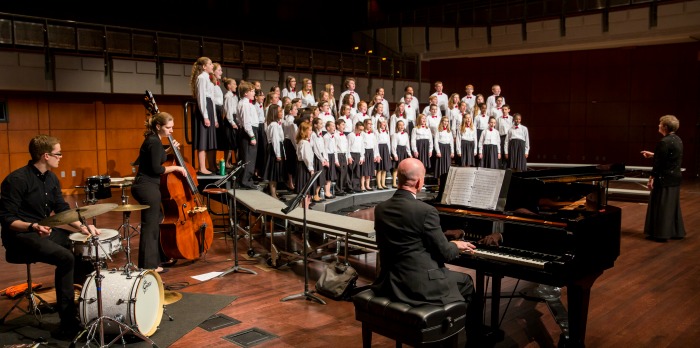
[415,326]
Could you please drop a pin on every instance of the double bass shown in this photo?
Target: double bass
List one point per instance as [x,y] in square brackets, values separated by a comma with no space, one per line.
[187,230]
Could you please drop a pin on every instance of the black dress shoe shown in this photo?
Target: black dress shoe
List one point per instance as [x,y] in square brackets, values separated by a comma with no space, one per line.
[340,193]
[168,263]
[329,197]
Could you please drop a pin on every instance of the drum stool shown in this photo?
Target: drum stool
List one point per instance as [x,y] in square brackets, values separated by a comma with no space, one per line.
[415,326]
[225,201]
[34,300]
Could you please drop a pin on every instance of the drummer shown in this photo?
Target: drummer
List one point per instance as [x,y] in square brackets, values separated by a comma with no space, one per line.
[29,195]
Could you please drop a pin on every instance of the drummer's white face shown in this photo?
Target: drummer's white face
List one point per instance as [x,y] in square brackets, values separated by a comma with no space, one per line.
[54,156]
[166,130]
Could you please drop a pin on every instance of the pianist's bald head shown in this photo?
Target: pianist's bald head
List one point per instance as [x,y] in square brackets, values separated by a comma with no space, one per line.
[411,173]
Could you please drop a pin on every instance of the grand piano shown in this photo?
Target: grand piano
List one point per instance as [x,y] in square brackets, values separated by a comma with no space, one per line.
[557,229]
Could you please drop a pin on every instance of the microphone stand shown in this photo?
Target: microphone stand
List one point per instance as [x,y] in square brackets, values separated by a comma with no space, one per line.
[233,223]
[308,295]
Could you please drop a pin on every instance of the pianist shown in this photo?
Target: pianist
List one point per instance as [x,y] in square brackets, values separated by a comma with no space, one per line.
[413,248]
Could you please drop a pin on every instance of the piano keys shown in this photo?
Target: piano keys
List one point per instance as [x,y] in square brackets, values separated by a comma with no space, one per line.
[557,230]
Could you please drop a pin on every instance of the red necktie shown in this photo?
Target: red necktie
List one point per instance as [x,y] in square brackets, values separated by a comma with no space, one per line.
[320,134]
[444,128]
[468,97]
[439,93]
[400,115]
[498,108]
[292,89]
[402,132]
[357,134]
[490,129]
[434,116]
[261,106]
[342,134]
[408,106]
[251,101]
[383,130]
[505,116]
[516,127]
[332,136]
[369,132]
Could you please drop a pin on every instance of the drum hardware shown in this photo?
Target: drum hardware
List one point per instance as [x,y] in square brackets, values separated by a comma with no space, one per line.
[97,325]
[233,223]
[128,231]
[108,241]
[96,188]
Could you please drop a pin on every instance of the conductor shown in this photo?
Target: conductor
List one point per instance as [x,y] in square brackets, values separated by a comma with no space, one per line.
[413,249]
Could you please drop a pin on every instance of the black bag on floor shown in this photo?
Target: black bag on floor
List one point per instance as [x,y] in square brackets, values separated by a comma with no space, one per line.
[337,281]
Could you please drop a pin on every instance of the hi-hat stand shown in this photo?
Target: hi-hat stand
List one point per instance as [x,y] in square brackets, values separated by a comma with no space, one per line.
[233,223]
[96,325]
[304,200]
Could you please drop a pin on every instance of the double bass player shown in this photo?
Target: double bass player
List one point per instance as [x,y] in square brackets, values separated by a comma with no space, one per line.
[146,188]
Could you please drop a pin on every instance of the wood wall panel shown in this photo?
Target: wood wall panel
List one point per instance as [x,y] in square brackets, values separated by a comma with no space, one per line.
[118,162]
[22,114]
[44,117]
[66,115]
[77,139]
[123,138]
[19,140]
[124,115]
[614,96]
[5,167]
[4,142]
[18,160]
[82,162]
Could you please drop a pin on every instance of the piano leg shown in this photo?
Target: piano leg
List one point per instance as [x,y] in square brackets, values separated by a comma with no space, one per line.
[578,297]
[482,335]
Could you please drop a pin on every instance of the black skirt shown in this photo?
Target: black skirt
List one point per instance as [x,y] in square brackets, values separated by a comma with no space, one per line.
[367,168]
[226,136]
[664,219]
[401,153]
[303,176]
[261,157]
[331,171]
[467,157]
[206,136]
[318,166]
[490,159]
[385,154]
[516,155]
[442,163]
[274,169]
[291,157]
[424,152]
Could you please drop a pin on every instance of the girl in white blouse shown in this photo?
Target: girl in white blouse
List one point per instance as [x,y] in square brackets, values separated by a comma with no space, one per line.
[399,148]
[422,141]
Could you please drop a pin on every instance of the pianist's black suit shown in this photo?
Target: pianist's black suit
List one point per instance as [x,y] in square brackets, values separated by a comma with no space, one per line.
[413,251]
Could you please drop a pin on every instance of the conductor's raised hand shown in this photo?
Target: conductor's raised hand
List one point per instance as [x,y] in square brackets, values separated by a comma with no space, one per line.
[647,154]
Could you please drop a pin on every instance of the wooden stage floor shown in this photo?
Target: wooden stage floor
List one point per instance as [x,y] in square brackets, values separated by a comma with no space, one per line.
[651,298]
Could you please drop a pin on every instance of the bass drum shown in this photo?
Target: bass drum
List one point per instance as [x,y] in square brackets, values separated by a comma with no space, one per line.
[136,301]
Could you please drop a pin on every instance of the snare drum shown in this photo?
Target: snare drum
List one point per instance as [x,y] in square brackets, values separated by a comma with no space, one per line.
[136,301]
[99,186]
[108,240]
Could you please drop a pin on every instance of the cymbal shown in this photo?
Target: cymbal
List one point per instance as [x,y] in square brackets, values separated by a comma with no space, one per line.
[68,216]
[170,297]
[131,207]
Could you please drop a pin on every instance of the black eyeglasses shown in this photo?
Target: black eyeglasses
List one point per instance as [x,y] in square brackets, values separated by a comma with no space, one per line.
[57,154]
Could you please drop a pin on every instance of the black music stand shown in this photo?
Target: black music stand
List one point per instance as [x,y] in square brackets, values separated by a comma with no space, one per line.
[308,295]
[233,223]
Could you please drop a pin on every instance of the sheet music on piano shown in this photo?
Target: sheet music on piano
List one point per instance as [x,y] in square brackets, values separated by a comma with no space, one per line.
[476,187]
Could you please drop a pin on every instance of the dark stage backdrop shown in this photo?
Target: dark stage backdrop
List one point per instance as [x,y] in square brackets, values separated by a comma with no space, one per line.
[595,106]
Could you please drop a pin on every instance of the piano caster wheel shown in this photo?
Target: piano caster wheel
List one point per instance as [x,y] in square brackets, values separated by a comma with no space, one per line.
[251,252]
